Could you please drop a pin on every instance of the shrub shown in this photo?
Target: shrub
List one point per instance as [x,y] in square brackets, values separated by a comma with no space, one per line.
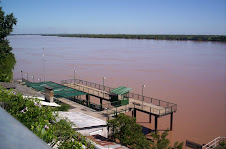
[42,121]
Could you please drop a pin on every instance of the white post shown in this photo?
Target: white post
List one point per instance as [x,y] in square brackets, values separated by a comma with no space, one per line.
[26,74]
[43,54]
[143,95]
[21,74]
[74,78]
[103,86]
[33,78]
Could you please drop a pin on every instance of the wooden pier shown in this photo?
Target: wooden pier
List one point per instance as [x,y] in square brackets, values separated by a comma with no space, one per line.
[151,106]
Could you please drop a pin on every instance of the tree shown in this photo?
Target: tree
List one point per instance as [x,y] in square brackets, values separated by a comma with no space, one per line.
[128,132]
[42,121]
[7,58]
[161,142]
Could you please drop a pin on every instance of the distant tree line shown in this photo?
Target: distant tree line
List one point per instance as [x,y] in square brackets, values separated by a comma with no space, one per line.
[158,37]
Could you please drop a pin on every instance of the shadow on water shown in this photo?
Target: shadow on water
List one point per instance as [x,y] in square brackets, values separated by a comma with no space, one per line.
[146,130]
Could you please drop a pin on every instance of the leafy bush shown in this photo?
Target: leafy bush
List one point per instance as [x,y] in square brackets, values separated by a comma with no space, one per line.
[222,145]
[161,142]
[129,133]
[7,58]
[42,120]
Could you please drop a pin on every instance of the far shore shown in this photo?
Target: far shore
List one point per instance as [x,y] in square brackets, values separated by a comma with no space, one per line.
[219,38]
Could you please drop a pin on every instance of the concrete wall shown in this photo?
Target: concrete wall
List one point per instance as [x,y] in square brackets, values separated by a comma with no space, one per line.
[94,131]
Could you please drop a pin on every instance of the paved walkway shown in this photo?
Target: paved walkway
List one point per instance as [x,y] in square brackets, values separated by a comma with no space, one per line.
[83,109]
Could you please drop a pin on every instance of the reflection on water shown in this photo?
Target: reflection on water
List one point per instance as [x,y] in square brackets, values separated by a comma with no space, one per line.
[190,74]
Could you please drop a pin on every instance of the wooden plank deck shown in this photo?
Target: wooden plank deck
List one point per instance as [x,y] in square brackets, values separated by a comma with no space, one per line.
[90,90]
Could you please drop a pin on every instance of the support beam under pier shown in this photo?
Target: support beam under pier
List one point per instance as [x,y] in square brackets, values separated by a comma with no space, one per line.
[87,100]
[101,102]
[150,118]
[134,113]
[171,121]
[156,123]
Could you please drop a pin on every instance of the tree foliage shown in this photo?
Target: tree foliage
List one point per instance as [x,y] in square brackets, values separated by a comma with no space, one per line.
[7,58]
[128,132]
[42,121]
[161,141]
[157,37]
[222,145]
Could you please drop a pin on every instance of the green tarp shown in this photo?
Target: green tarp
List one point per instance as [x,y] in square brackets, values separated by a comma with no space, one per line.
[59,90]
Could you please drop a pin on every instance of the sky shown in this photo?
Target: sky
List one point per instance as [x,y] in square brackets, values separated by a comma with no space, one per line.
[193,17]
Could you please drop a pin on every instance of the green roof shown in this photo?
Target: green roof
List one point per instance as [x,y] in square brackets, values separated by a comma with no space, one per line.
[59,90]
[121,90]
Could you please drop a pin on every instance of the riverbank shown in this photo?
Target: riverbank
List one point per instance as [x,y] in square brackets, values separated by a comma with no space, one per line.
[220,38]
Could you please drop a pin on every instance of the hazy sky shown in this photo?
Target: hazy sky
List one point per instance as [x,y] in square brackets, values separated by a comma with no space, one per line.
[118,16]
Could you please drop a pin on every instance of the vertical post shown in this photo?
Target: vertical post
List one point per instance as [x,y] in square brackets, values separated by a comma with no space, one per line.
[101,102]
[135,113]
[33,78]
[103,85]
[143,95]
[171,121]
[21,75]
[150,120]
[43,54]
[87,100]
[74,78]
[156,123]
[26,74]
[149,117]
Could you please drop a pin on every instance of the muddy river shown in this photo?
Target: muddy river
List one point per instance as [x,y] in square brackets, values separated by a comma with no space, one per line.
[188,73]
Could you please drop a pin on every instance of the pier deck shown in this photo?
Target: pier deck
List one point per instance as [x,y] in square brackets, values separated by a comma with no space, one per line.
[144,106]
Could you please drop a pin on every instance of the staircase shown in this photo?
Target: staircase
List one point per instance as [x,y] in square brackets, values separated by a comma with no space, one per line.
[214,143]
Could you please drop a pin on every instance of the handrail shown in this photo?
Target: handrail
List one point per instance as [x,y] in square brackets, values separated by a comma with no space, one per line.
[214,143]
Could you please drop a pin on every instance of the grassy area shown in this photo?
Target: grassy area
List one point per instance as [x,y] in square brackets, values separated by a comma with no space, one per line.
[221,38]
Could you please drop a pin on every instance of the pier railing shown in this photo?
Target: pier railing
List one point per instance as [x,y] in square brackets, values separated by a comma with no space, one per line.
[86,83]
[168,107]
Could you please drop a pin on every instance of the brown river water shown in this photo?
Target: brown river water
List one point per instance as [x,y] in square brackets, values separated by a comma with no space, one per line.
[188,73]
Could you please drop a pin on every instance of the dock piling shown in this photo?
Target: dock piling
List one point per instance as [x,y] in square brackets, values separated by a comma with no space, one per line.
[156,123]
[171,121]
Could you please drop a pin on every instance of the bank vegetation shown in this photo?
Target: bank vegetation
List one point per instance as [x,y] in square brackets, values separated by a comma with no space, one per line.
[220,38]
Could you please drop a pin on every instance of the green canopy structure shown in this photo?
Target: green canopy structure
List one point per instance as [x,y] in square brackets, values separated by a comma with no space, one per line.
[60,91]
[121,90]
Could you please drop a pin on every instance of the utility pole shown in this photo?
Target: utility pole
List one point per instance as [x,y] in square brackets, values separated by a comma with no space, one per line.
[103,86]
[74,78]
[44,64]
[143,95]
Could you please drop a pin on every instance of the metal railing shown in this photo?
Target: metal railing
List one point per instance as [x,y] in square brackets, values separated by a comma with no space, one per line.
[86,83]
[214,143]
[87,89]
[168,106]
